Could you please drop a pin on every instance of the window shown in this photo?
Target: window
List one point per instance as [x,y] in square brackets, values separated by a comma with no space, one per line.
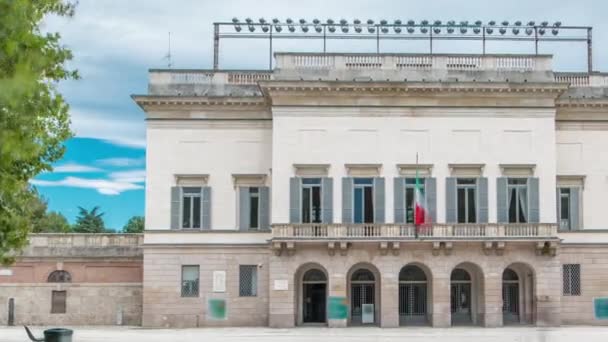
[364,203]
[564,218]
[191,207]
[572,279]
[410,187]
[311,200]
[248,280]
[517,190]
[254,208]
[58,302]
[60,276]
[190,281]
[466,199]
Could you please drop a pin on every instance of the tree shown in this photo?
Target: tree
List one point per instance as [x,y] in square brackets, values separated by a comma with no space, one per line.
[34,119]
[43,221]
[89,221]
[134,225]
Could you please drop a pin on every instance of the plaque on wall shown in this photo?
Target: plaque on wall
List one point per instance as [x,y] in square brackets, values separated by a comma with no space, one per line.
[281,285]
[219,281]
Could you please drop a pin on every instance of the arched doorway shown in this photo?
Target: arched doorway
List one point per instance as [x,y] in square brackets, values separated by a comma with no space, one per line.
[466,294]
[314,296]
[413,296]
[363,297]
[510,297]
[518,305]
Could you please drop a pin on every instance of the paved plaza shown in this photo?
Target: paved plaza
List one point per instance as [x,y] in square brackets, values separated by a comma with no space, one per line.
[468,334]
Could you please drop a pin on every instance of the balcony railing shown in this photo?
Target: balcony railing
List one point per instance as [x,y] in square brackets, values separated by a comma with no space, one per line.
[582,79]
[408,231]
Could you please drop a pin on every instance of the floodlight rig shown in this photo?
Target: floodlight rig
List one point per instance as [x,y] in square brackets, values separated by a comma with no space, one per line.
[399,30]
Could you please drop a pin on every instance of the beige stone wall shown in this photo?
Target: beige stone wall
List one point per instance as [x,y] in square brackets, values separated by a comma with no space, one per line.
[593,259]
[164,306]
[86,304]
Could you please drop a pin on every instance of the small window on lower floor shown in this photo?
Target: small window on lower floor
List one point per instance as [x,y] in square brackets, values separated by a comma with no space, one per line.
[248,280]
[190,281]
[572,279]
[58,302]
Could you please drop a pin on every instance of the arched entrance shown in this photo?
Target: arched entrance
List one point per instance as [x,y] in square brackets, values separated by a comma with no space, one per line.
[517,294]
[364,296]
[466,295]
[413,296]
[314,296]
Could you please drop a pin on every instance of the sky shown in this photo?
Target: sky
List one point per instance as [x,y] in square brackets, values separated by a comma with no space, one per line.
[115,42]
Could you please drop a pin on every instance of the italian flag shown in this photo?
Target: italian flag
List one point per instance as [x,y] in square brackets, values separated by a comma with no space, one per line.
[420,210]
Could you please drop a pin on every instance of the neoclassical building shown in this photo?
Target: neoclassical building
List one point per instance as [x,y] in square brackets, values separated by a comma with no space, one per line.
[284,198]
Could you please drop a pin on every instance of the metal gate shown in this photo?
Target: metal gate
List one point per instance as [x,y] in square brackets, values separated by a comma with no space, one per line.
[412,303]
[461,302]
[11,312]
[510,301]
[361,293]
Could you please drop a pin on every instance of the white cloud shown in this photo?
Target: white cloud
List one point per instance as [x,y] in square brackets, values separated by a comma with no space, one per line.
[121,162]
[103,186]
[75,168]
[131,176]
[129,133]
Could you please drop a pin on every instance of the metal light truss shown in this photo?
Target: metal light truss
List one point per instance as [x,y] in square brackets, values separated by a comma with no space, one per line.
[400,30]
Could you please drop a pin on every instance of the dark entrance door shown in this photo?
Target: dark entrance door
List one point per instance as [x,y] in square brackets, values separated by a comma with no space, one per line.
[314,303]
[11,312]
[510,297]
[461,303]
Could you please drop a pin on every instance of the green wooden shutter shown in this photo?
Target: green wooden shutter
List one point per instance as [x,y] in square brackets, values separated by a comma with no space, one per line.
[176,201]
[379,199]
[327,198]
[450,200]
[295,209]
[502,207]
[534,209]
[399,199]
[347,200]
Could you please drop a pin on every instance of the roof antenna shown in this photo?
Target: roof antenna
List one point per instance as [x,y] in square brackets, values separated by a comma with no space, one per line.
[168,55]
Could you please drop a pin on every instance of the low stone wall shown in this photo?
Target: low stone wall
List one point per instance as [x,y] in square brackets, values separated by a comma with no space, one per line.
[86,304]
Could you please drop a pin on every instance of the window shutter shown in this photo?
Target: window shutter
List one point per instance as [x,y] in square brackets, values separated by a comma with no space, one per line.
[558,205]
[294,200]
[206,207]
[347,200]
[327,193]
[502,207]
[244,207]
[450,200]
[533,200]
[379,200]
[482,200]
[175,206]
[575,223]
[430,191]
[399,200]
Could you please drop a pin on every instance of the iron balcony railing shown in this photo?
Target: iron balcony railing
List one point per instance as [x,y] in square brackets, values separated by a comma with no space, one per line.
[315,231]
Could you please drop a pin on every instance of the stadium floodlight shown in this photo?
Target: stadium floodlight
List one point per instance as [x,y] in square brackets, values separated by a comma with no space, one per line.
[262,21]
[463,26]
[544,23]
[357,24]
[515,31]
[541,31]
[250,25]
[411,22]
[424,29]
[489,30]
[478,23]
[383,27]
[344,25]
[555,31]
[248,20]
[290,26]
[505,23]
[370,26]
[531,23]
[557,24]
[491,23]
[476,30]
[502,30]
[410,30]
[517,23]
[424,22]
[237,26]
[383,22]
[330,22]
[265,28]
[437,30]
[397,27]
[235,20]
[451,24]
[317,24]
[529,31]
[437,23]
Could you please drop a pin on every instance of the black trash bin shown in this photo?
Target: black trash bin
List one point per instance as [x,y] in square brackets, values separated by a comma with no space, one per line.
[58,335]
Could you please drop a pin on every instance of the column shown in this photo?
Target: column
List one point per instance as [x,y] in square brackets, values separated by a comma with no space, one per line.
[441,315]
[281,301]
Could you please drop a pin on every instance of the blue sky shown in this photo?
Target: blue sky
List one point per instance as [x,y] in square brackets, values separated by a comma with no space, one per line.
[115,42]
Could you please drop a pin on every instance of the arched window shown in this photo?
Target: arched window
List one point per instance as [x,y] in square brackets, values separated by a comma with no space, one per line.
[412,273]
[314,275]
[362,275]
[460,275]
[60,276]
[509,274]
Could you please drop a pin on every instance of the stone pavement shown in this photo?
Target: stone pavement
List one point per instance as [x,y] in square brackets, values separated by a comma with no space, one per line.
[137,334]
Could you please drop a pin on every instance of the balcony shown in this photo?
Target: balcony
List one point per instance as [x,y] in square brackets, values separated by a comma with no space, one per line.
[438,231]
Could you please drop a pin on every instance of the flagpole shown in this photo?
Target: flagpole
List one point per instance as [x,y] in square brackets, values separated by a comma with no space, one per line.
[417,185]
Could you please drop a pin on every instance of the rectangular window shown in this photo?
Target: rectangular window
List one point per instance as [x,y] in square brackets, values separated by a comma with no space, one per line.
[311,200]
[565,222]
[190,281]
[191,207]
[466,200]
[363,200]
[410,186]
[254,208]
[58,302]
[572,279]
[248,280]
[517,191]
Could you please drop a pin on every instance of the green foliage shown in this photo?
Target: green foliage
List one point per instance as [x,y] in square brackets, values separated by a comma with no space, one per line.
[34,119]
[134,225]
[89,221]
[43,221]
